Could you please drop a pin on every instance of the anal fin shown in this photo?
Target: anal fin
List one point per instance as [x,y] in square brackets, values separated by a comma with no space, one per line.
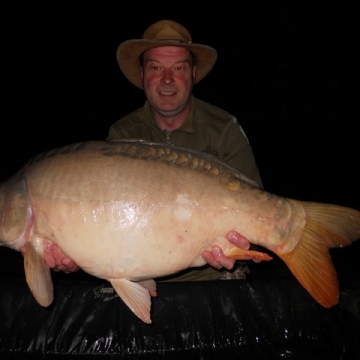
[242,254]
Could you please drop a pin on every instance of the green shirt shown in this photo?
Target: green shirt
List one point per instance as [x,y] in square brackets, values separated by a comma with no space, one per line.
[207,129]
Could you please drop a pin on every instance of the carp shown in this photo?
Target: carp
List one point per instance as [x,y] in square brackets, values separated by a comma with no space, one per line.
[131,211]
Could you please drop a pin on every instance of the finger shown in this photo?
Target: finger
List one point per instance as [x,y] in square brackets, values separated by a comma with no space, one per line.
[238,240]
[57,256]
[70,265]
[209,258]
[49,259]
[221,259]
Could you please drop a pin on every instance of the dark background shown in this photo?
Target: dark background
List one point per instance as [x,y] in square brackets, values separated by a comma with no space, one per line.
[286,70]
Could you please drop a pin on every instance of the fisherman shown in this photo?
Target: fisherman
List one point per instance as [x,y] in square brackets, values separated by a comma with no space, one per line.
[166,64]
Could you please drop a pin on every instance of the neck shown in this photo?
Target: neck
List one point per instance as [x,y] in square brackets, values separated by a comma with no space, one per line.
[170,122]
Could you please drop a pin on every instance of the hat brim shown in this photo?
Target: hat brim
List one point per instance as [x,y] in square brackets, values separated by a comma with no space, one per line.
[128,56]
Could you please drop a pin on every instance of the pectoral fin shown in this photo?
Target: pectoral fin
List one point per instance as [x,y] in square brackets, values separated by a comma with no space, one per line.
[136,295]
[38,275]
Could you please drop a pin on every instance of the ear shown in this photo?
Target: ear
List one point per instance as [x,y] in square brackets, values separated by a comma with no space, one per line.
[194,74]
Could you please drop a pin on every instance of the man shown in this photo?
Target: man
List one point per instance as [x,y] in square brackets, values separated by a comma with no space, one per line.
[166,64]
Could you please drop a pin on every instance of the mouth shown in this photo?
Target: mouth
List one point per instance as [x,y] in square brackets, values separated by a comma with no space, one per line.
[167,93]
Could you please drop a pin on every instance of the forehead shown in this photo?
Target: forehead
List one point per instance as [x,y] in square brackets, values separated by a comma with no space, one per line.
[167,51]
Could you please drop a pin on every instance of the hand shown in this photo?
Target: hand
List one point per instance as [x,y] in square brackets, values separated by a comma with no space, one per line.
[216,257]
[55,258]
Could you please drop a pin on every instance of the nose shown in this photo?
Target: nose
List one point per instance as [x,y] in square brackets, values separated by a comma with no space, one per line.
[167,77]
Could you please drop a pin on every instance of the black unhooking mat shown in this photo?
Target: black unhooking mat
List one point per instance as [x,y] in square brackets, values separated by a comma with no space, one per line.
[262,317]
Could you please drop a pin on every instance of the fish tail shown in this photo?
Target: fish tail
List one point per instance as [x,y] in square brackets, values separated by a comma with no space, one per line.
[327,226]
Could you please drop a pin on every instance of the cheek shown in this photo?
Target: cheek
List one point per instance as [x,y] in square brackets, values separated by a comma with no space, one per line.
[150,81]
[149,86]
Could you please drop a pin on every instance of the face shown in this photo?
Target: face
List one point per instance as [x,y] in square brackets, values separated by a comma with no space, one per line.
[168,77]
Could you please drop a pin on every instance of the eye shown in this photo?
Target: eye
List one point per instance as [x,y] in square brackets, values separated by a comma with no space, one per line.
[153,67]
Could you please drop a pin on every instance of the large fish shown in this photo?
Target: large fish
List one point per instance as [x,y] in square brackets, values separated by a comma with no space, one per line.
[133,211]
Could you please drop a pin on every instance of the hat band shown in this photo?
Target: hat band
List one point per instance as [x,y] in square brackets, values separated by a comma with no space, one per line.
[174,41]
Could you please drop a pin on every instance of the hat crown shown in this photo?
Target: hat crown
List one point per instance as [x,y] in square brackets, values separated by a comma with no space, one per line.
[167,30]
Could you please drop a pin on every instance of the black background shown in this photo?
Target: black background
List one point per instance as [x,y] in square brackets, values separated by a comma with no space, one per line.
[286,70]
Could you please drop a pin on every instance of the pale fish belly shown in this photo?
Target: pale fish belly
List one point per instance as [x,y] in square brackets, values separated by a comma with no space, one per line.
[120,239]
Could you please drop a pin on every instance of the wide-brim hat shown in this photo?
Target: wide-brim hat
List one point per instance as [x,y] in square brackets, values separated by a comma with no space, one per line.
[163,33]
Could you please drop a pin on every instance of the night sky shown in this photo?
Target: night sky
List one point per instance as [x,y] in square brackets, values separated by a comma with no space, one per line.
[286,70]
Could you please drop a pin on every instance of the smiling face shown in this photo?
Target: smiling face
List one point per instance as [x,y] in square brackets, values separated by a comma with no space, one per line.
[168,77]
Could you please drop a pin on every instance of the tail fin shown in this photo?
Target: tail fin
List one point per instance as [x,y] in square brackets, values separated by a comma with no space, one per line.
[327,226]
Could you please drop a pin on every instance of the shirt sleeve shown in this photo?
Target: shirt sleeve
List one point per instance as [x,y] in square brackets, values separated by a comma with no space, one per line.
[235,149]
[115,132]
